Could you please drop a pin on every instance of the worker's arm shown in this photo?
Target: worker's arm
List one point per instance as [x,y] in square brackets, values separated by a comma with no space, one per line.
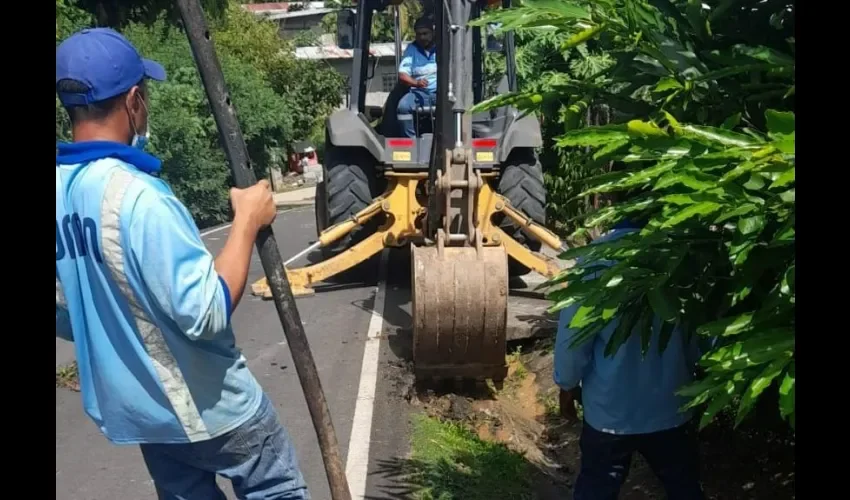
[570,362]
[408,80]
[405,68]
[63,319]
[177,271]
[253,208]
[233,261]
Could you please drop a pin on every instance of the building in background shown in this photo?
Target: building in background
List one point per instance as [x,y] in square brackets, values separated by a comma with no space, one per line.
[293,18]
[382,70]
[296,18]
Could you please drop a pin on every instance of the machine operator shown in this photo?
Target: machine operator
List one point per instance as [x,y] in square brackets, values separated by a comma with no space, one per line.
[418,70]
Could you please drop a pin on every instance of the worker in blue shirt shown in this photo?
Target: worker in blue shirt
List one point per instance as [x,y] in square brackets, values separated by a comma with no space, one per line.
[418,70]
[145,303]
[629,405]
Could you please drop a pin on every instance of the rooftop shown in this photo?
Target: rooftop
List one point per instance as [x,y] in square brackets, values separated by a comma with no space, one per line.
[281,10]
[326,52]
[279,7]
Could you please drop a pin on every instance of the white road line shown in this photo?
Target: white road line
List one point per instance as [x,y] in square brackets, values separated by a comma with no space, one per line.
[357,463]
[211,231]
[221,228]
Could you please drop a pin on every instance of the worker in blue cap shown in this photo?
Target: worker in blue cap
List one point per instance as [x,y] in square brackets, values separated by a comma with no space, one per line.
[145,303]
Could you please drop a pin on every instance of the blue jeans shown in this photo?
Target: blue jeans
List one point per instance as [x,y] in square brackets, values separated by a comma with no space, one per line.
[257,457]
[407,108]
[605,459]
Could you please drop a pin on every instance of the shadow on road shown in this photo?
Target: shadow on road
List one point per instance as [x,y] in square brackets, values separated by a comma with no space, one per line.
[362,275]
[482,473]
[395,471]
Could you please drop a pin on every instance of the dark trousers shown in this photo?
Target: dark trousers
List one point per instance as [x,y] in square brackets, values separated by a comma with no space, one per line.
[407,109]
[673,456]
[258,457]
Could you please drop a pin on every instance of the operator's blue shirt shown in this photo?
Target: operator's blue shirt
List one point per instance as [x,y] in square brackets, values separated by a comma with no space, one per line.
[625,394]
[420,63]
[138,294]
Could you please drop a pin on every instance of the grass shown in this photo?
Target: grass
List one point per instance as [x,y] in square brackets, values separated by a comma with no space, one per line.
[549,400]
[520,371]
[552,406]
[67,377]
[450,462]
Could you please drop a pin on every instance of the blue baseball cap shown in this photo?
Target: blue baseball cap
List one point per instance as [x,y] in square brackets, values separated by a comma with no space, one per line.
[103,60]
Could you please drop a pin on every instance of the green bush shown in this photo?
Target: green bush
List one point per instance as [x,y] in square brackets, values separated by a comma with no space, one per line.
[703,137]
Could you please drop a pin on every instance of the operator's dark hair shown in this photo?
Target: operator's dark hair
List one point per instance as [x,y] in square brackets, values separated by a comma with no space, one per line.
[425,21]
[95,111]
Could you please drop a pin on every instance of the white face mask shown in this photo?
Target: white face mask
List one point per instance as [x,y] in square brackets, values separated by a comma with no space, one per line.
[141,141]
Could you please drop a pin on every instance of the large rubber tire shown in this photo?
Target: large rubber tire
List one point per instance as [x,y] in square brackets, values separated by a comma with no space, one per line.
[349,186]
[521,182]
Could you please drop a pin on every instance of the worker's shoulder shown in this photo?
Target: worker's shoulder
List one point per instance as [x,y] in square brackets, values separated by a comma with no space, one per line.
[114,173]
[111,178]
[128,187]
[410,49]
[153,196]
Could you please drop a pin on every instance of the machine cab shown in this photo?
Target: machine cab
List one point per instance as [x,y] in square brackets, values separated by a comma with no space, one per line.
[385,138]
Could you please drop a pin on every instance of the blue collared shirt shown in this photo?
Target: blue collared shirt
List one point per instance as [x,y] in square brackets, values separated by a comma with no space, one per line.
[138,294]
[419,63]
[625,393]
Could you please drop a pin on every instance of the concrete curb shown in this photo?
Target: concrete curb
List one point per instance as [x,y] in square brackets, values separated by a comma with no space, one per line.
[294,204]
[296,198]
[527,318]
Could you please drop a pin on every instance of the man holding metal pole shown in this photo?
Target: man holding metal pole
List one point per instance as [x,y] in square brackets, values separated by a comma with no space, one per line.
[145,303]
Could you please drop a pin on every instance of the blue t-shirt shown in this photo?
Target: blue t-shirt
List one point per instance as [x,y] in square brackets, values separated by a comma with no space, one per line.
[420,63]
[138,294]
[625,393]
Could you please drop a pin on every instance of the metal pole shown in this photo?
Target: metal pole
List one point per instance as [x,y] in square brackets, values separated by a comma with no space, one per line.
[443,136]
[237,155]
[398,35]
[359,68]
[510,53]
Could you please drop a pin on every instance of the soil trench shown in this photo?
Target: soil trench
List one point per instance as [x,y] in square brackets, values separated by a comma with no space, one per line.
[523,414]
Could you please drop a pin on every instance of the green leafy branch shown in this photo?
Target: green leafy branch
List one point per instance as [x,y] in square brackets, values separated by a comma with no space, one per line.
[702,134]
[716,253]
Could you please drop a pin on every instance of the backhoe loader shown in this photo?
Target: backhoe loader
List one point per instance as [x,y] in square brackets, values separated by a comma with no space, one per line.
[466,195]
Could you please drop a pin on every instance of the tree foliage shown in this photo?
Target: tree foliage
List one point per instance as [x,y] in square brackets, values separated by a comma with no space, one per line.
[703,138]
[382,21]
[120,13]
[540,63]
[278,99]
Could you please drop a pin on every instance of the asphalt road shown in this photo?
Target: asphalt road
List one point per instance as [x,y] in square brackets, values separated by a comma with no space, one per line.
[337,321]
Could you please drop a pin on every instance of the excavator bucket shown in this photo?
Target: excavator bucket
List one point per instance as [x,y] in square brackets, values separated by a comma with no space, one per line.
[460,309]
